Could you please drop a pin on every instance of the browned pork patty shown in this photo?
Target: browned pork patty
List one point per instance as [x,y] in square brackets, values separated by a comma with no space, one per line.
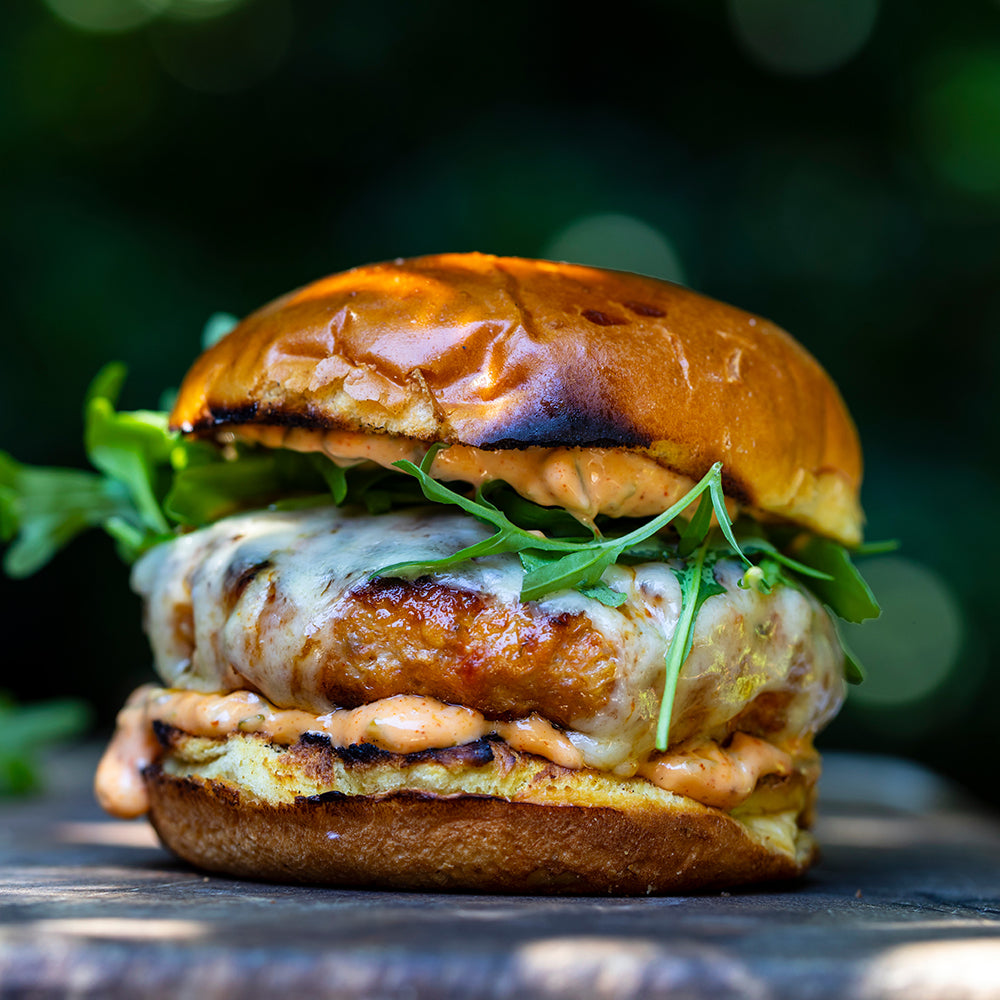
[281,603]
[505,660]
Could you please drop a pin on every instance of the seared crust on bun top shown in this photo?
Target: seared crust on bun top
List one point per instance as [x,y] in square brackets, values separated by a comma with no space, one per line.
[523,355]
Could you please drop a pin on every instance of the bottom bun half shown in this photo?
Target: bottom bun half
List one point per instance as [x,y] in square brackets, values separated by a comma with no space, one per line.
[480,817]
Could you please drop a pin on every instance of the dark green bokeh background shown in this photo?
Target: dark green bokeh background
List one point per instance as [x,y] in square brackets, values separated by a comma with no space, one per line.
[164,159]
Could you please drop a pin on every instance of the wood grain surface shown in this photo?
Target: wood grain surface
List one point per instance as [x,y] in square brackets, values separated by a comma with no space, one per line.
[906,903]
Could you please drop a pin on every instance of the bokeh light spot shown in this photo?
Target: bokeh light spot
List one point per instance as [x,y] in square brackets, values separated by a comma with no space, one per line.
[106,16]
[621,242]
[912,649]
[803,37]
[199,10]
[68,84]
[225,55]
[958,121]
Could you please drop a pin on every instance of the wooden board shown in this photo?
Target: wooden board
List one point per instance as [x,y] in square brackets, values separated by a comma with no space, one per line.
[906,903]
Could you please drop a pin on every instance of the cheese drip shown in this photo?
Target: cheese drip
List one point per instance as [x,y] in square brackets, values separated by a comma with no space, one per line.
[266,601]
[403,724]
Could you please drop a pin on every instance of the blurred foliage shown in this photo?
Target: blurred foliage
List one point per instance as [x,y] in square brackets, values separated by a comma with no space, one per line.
[25,730]
[833,165]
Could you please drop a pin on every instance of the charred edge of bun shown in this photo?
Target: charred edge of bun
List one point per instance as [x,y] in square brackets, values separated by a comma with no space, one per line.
[570,424]
[574,837]
[507,353]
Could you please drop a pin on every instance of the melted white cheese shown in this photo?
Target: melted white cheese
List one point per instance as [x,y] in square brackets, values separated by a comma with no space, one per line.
[745,643]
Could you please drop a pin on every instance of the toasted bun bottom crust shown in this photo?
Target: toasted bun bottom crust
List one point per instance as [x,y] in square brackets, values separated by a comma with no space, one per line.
[417,840]
[601,835]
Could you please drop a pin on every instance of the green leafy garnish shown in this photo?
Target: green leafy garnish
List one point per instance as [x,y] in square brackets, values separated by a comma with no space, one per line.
[697,585]
[42,510]
[603,593]
[131,448]
[841,587]
[553,521]
[553,564]
[204,494]
[26,728]
[152,483]
[693,533]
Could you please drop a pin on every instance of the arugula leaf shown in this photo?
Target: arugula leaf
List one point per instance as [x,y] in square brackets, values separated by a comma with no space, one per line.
[761,544]
[584,559]
[693,533]
[599,591]
[854,672]
[43,509]
[131,448]
[603,593]
[332,474]
[842,588]
[698,583]
[554,521]
[722,514]
[204,494]
[582,568]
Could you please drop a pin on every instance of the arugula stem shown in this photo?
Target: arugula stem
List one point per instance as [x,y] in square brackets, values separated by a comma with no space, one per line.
[680,645]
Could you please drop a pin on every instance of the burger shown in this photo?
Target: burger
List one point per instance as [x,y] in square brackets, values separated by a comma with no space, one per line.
[469,572]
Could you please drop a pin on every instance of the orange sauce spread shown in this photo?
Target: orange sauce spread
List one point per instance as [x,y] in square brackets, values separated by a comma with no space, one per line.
[584,481]
[118,784]
[715,776]
[401,724]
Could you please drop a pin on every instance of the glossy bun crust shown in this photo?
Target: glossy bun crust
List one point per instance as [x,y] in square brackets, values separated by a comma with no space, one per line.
[509,353]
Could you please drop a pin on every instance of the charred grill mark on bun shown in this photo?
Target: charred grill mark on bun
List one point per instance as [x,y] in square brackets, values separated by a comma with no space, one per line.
[575,420]
[478,753]
[331,796]
[166,735]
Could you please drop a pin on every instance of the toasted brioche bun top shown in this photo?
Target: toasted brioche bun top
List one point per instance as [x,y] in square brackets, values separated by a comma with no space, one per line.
[507,353]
